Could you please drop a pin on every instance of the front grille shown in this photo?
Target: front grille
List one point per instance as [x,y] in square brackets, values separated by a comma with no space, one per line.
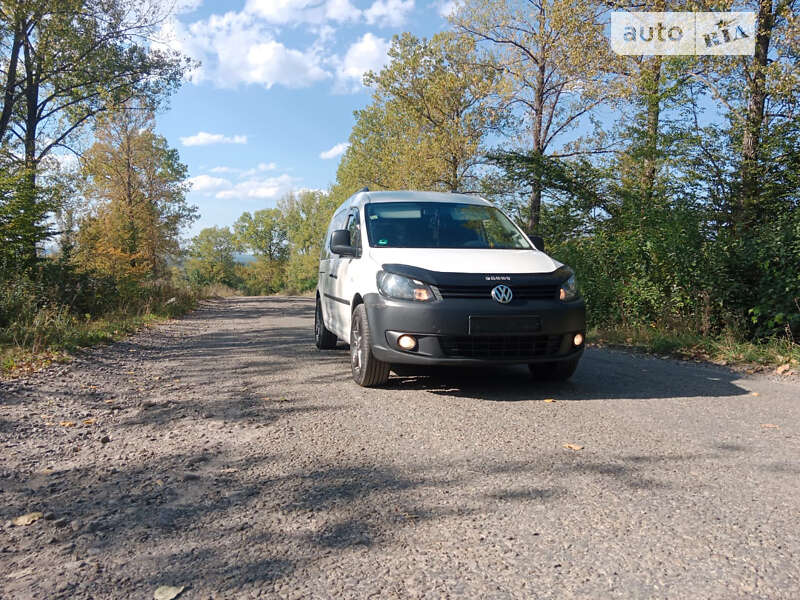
[499,347]
[521,292]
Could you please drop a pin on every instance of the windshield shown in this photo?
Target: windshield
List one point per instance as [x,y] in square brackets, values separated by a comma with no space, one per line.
[440,225]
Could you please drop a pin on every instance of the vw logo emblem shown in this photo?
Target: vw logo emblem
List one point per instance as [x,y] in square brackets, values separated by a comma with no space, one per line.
[502,294]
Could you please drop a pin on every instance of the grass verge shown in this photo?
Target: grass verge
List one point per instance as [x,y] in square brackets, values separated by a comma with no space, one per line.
[18,360]
[48,335]
[783,354]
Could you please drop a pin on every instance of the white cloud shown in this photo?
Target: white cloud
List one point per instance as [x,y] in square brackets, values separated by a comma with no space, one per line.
[337,150]
[271,63]
[261,168]
[203,138]
[269,188]
[207,184]
[281,12]
[367,54]
[240,47]
[249,184]
[447,7]
[341,11]
[245,47]
[291,12]
[388,13]
[236,48]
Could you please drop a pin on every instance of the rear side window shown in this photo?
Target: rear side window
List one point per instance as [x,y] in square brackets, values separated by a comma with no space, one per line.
[337,222]
[354,227]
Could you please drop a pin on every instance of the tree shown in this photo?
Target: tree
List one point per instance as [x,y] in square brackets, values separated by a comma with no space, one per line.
[137,187]
[22,224]
[211,259]
[307,215]
[263,233]
[556,65]
[760,94]
[261,277]
[66,63]
[429,116]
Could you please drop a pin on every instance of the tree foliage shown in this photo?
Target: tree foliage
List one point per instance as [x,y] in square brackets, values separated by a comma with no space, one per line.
[426,124]
[136,186]
[63,64]
[211,257]
[306,214]
[556,68]
[263,233]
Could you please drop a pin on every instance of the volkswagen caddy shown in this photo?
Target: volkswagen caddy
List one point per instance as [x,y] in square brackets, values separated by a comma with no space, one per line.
[428,278]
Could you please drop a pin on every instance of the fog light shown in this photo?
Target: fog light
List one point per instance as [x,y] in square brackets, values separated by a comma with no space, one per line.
[578,339]
[407,342]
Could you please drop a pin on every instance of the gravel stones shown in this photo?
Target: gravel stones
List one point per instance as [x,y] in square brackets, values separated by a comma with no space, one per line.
[230,457]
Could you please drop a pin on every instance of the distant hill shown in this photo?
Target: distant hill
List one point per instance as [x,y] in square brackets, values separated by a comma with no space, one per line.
[244,259]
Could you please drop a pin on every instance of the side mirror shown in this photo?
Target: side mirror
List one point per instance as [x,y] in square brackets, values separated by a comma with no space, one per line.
[538,242]
[340,243]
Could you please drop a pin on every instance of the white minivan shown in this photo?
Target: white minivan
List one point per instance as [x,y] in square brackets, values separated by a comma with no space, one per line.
[428,278]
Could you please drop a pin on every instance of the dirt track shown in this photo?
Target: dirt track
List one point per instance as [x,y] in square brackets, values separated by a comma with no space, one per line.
[224,453]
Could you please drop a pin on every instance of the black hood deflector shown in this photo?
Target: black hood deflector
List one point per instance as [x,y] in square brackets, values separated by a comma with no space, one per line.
[442,278]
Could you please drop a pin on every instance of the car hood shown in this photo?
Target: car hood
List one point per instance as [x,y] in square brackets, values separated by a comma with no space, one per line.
[449,260]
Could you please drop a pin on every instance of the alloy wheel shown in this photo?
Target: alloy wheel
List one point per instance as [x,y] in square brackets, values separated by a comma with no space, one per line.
[357,346]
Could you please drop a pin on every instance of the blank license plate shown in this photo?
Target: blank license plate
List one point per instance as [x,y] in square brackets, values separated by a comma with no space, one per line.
[511,324]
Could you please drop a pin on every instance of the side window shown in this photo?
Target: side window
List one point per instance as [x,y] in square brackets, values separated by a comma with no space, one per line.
[354,227]
[337,222]
[325,251]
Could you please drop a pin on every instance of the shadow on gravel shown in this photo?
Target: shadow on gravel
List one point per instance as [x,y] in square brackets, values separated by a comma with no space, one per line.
[202,517]
[7,426]
[255,307]
[229,409]
[229,525]
[600,376]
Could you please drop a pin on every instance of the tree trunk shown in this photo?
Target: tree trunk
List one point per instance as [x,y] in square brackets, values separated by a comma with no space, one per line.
[132,242]
[536,204]
[31,95]
[10,94]
[754,118]
[650,87]
[537,184]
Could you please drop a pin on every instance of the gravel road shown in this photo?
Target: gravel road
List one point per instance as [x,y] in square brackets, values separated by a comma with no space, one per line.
[224,453]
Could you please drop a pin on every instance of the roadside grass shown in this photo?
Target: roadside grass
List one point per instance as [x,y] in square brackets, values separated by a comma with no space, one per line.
[726,349]
[218,290]
[49,334]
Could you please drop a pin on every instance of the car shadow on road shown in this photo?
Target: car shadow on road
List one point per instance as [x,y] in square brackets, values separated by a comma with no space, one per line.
[602,375]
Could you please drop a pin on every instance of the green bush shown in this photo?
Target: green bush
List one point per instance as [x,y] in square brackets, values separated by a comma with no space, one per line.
[61,309]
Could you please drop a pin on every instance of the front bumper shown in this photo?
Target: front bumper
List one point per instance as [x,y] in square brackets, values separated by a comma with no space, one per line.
[443,334]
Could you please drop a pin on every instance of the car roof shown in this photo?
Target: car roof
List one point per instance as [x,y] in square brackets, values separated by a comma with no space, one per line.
[362,198]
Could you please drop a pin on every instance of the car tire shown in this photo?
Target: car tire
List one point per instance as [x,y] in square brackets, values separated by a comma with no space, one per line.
[368,371]
[554,371]
[323,338]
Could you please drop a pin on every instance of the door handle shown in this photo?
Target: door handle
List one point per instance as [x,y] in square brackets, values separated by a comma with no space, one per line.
[332,275]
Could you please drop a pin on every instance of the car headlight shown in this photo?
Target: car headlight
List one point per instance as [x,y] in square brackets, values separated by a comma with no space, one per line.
[569,289]
[404,288]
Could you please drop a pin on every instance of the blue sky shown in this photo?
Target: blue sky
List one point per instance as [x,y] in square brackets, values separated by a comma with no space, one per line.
[271,106]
